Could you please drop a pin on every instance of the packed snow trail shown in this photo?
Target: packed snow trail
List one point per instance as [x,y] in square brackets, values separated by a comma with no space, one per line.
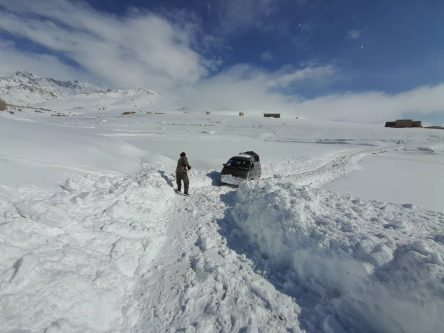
[119,254]
[357,281]
[198,284]
[93,241]
[327,168]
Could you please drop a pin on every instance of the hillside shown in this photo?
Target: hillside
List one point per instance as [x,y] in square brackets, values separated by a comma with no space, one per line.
[27,89]
[94,239]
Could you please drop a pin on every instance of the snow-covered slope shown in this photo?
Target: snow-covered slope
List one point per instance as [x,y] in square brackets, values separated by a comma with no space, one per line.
[24,88]
[94,239]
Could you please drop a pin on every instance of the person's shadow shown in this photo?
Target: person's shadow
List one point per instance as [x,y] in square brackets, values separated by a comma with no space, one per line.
[167,179]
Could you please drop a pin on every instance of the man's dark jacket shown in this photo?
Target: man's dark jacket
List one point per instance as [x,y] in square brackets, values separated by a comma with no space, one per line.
[182,165]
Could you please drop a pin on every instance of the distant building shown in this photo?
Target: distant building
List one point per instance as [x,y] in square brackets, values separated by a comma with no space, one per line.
[403,123]
[273,115]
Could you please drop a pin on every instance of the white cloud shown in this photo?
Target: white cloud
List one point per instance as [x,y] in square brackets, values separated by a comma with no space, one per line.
[376,107]
[235,15]
[308,73]
[240,87]
[146,50]
[246,88]
[354,34]
[267,56]
[138,50]
[43,65]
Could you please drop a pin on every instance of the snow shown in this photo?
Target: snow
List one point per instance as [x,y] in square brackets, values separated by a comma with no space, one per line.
[415,175]
[356,261]
[37,154]
[26,88]
[344,232]
[71,257]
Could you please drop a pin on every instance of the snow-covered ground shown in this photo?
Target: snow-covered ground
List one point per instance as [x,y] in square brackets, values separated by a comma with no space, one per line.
[343,233]
[415,174]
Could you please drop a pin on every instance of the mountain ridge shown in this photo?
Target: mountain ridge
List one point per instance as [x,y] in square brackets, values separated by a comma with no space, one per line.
[27,88]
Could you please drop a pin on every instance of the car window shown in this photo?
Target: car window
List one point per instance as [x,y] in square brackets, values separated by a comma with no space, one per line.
[237,163]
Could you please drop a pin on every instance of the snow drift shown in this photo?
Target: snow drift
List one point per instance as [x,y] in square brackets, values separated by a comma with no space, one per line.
[93,238]
[356,266]
[70,260]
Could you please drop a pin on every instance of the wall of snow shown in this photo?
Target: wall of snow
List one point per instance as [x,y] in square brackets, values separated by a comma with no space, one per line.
[352,265]
[70,260]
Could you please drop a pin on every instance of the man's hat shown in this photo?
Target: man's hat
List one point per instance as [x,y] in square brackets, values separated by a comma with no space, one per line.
[182,154]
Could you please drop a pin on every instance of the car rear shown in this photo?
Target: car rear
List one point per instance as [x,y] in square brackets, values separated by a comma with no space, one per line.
[236,170]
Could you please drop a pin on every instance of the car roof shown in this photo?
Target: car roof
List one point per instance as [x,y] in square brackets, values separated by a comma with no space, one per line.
[243,157]
[251,153]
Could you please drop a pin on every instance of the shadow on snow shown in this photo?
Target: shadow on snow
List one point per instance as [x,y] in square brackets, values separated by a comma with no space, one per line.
[282,276]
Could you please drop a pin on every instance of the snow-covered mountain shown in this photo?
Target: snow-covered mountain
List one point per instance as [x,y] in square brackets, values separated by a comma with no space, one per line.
[94,239]
[27,88]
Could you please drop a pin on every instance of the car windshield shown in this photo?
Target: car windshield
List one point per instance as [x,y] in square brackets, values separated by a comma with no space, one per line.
[238,163]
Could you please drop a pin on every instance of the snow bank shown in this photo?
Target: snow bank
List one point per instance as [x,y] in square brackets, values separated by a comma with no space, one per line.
[352,265]
[43,155]
[70,260]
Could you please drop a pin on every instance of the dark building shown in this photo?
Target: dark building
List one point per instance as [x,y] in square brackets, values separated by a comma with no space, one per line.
[273,115]
[403,123]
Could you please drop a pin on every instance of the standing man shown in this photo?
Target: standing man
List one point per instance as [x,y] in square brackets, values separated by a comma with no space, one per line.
[181,173]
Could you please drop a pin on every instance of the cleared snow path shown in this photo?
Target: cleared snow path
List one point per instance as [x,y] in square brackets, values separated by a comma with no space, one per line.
[121,254]
[329,167]
[199,284]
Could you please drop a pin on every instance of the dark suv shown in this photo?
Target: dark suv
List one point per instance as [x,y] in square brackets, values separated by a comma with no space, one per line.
[241,167]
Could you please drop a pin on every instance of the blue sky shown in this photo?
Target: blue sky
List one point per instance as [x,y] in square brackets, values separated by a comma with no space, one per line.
[390,45]
[285,53]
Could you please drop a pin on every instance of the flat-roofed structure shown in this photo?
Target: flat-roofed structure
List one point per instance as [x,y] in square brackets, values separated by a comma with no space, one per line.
[403,123]
[272,115]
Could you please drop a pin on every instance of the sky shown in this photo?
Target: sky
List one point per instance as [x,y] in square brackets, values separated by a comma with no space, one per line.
[339,60]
